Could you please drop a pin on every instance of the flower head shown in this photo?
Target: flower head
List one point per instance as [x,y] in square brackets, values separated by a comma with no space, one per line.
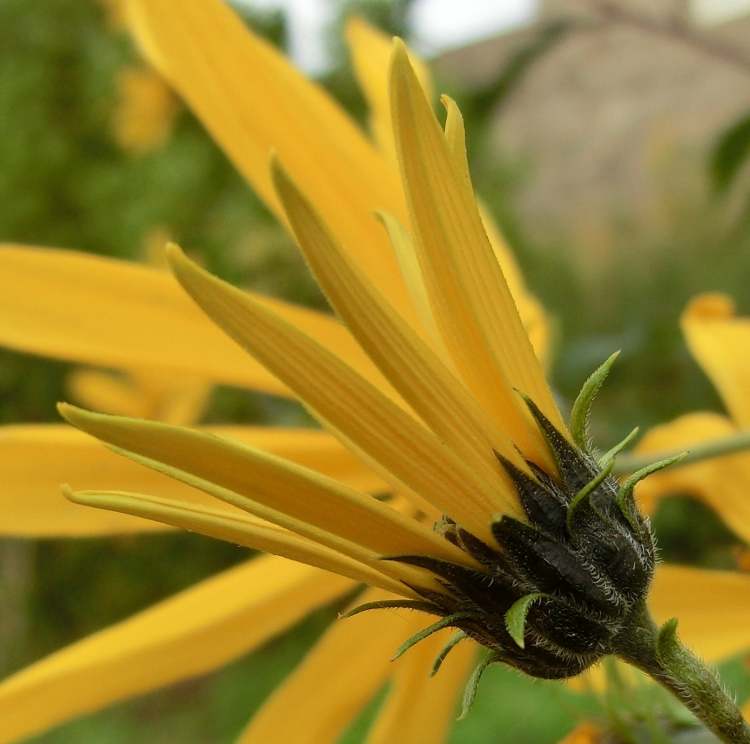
[539,555]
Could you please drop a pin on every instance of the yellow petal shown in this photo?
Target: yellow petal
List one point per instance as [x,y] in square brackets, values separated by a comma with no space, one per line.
[311,448]
[720,342]
[239,529]
[470,299]
[714,628]
[177,400]
[106,391]
[30,501]
[189,634]
[253,101]
[342,399]
[336,680]
[723,483]
[532,315]
[35,460]
[539,328]
[141,319]
[419,708]
[455,136]
[267,486]
[412,276]
[370,50]
[403,357]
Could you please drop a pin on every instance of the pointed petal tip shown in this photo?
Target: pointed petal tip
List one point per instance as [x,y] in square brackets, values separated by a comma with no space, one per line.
[70,412]
[282,181]
[174,254]
[274,161]
[76,415]
[449,103]
[81,498]
[400,62]
[184,269]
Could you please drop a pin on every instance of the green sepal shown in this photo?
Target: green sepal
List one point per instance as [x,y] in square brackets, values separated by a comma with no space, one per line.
[581,411]
[625,492]
[515,617]
[399,604]
[584,493]
[454,640]
[667,645]
[472,685]
[444,622]
[611,454]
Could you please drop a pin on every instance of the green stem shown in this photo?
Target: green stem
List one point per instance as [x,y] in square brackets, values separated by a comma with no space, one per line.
[704,451]
[660,654]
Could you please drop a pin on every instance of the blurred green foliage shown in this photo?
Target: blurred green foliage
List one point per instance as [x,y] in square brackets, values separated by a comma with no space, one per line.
[65,182]
[730,153]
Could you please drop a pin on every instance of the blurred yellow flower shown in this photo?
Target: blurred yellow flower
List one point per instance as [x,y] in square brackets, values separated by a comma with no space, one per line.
[303,494]
[143,393]
[144,112]
[720,342]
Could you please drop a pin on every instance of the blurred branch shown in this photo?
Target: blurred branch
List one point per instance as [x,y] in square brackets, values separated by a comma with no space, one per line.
[499,90]
[673,29]
[16,577]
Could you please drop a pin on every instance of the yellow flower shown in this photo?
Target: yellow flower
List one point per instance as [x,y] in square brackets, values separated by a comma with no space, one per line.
[416,404]
[720,342]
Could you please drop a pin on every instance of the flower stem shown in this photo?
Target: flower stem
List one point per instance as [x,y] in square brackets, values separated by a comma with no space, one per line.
[703,451]
[660,654]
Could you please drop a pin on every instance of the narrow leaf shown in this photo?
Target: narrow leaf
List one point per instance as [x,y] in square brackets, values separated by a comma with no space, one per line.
[515,617]
[581,411]
[624,495]
[444,622]
[611,454]
[440,658]
[473,684]
[401,604]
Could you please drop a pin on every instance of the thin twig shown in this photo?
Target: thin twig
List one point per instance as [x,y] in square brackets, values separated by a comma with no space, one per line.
[673,30]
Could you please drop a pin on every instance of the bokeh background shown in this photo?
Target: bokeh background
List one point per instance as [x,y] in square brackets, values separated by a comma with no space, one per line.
[608,138]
